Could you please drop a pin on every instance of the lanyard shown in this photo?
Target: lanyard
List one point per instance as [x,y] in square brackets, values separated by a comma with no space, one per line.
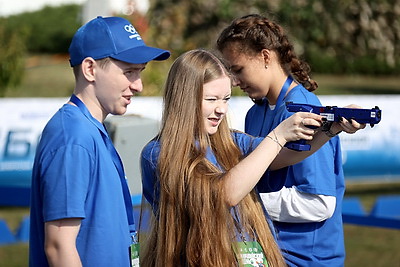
[270,115]
[115,157]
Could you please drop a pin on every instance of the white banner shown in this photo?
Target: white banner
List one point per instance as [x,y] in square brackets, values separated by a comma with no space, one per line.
[373,153]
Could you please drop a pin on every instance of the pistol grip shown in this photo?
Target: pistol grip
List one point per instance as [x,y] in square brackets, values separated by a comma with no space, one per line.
[299,145]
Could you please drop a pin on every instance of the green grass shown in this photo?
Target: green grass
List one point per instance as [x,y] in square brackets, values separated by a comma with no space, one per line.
[45,76]
[51,76]
[356,84]
[14,255]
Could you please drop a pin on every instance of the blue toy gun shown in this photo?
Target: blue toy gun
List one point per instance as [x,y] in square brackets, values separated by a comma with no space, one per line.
[332,114]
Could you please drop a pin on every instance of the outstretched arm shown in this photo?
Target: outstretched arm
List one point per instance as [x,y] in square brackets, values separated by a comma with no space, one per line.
[242,178]
[289,157]
[270,153]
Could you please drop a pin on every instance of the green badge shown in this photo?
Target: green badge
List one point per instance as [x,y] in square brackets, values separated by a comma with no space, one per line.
[135,255]
[250,254]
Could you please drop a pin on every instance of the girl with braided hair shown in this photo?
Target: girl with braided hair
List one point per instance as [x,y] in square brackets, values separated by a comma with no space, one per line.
[306,212]
[198,175]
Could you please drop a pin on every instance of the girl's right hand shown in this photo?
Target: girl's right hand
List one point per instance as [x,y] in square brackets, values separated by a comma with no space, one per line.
[297,127]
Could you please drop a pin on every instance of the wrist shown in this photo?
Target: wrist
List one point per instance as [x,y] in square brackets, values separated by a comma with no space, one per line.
[275,138]
[331,129]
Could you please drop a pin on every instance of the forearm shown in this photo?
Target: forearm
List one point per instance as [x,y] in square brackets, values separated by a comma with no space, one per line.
[242,178]
[289,157]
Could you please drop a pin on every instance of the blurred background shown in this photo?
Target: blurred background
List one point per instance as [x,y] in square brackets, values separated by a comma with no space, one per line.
[353,47]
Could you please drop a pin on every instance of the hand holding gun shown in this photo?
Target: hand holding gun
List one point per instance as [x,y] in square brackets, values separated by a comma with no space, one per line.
[333,114]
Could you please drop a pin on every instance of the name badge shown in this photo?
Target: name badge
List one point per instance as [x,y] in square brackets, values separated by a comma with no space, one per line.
[250,254]
[135,255]
[134,250]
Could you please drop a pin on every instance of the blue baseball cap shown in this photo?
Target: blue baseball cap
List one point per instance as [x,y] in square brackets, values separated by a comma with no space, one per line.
[113,37]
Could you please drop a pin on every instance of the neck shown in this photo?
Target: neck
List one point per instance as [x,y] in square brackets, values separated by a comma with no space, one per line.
[93,105]
[276,88]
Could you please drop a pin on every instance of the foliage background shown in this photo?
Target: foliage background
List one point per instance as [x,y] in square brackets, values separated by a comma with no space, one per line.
[343,37]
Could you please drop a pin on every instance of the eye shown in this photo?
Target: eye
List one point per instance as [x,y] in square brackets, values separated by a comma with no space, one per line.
[210,99]
[236,71]
[133,71]
[226,99]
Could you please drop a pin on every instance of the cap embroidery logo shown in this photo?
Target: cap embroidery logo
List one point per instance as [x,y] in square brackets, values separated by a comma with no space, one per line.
[129,28]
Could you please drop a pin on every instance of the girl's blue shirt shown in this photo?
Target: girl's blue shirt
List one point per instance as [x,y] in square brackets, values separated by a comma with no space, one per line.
[305,244]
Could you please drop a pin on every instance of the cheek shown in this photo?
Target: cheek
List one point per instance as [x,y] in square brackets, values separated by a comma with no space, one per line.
[206,110]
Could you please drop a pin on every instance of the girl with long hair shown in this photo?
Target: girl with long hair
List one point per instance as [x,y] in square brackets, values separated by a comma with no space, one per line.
[199,175]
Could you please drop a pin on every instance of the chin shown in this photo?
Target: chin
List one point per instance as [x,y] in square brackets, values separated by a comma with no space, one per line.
[119,112]
[254,96]
[212,131]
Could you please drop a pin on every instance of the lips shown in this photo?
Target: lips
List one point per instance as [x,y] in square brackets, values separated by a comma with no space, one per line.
[128,99]
[214,121]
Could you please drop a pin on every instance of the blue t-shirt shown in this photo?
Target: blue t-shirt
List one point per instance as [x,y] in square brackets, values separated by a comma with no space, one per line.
[74,177]
[305,244]
[149,161]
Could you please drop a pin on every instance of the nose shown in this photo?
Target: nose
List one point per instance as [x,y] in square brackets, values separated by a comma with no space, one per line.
[221,108]
[235,81]
[136,86]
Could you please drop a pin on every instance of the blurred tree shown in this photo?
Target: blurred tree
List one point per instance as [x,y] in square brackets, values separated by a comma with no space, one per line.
[360,36]
[49,30]
[12,57]
[181,25]
[343,36]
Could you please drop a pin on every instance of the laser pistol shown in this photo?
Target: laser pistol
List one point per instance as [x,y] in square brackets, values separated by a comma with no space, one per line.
[332,114]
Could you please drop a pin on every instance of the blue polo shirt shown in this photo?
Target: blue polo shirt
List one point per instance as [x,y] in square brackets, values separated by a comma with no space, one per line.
[74,177]
[315,243]
[272,180]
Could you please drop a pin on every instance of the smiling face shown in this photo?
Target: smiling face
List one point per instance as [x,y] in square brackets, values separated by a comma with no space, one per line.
[216,95]
[115,85]
[249,71]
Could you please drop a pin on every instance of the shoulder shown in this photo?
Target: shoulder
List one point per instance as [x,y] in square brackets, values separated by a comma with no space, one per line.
[301,95]
[69,127]
[151,151]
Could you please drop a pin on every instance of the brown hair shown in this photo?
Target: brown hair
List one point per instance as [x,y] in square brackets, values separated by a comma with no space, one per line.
[194,225]
[103,63]
[252,33]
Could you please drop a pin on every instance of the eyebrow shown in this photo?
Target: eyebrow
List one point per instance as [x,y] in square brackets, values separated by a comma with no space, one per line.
[135,67]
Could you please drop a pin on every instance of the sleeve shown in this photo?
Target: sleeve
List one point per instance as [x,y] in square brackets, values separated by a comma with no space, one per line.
[292,206]
[150,189]
[253,118]
[249,117]
[65,183]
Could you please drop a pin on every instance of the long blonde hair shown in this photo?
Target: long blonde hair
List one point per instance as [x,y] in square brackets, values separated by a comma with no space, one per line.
[194,225]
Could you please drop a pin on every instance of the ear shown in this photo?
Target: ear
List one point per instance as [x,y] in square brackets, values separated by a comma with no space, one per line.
[88,68]
[266,54]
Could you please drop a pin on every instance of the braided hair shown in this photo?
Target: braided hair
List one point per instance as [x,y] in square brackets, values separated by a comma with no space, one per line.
[252,33]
